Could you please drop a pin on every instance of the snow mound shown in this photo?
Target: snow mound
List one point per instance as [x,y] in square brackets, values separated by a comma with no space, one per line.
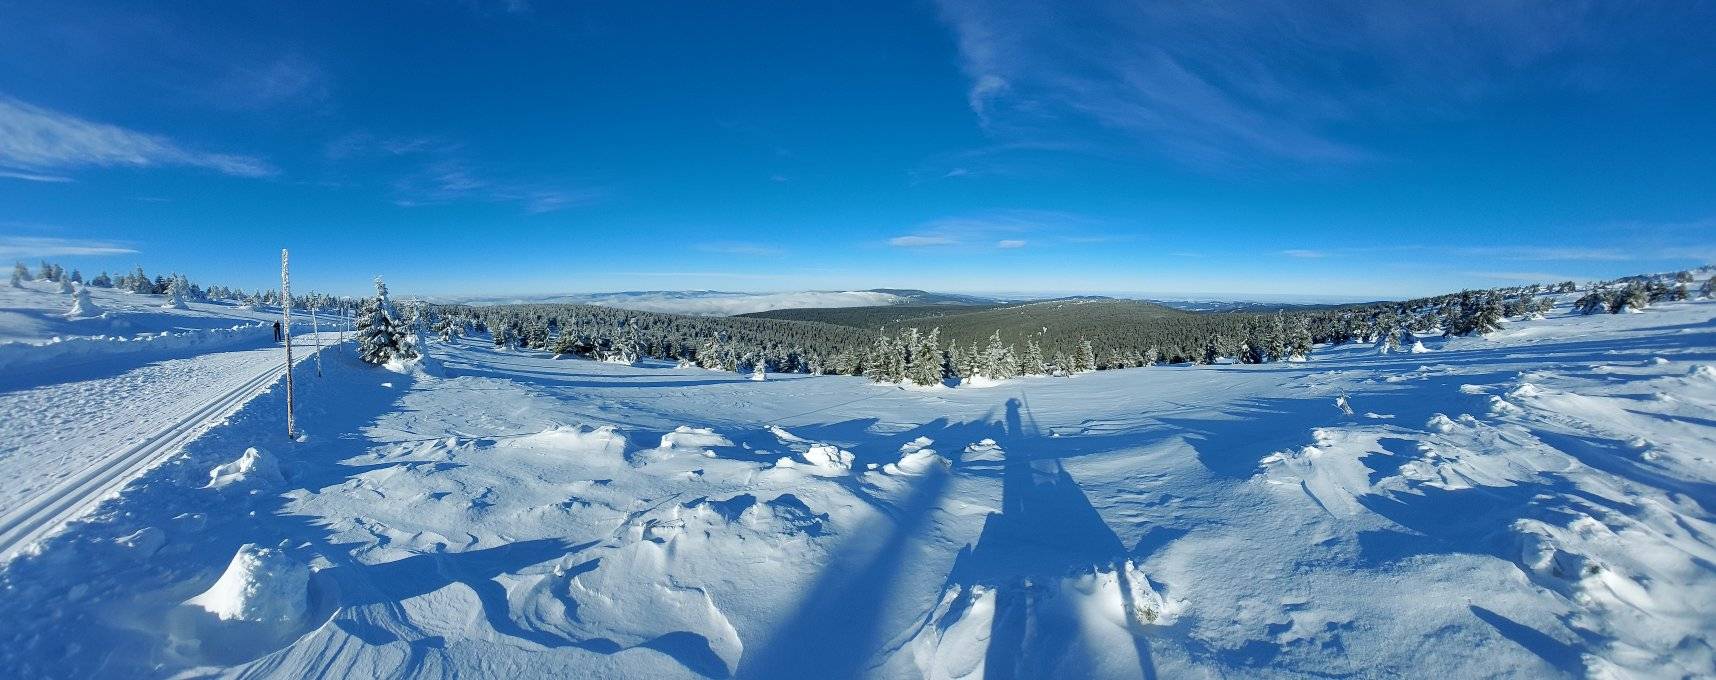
[1705,372]
[916,458]
[1418,347]
[956,643]
[256,465]
[829,458]
[577,439]
[984,451]
[261,585]
[1440,423]
[687,437]
[1524,391]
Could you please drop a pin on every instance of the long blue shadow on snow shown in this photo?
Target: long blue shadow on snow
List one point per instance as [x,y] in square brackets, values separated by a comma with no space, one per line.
[837,627]
[1047,529]
[1564,657]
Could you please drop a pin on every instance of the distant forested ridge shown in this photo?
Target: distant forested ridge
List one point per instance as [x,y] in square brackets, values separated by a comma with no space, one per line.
[927,344]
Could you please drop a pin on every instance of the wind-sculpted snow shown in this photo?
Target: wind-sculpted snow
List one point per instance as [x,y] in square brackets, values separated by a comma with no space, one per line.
[1540,502]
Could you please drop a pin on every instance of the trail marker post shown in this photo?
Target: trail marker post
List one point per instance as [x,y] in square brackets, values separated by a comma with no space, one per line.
[316,337]
[286,324]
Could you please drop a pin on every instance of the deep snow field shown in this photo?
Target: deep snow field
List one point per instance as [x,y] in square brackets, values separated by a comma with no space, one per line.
[1536,503]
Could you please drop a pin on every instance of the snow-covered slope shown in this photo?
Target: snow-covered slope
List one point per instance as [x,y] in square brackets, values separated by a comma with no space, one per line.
[1537,503]
[38,312]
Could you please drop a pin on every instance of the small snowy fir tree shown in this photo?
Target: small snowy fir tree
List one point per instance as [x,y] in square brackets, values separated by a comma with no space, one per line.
[381,335]
[1033,363]
[759,373]
[66,286]
[879,365]
[176,290]
[998,361]
[1708,290]
[1085,359]
[1299,338]
[20,272]
[82,306]
[924,365]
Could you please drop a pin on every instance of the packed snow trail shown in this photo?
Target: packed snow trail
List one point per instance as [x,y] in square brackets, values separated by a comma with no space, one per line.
[67,446]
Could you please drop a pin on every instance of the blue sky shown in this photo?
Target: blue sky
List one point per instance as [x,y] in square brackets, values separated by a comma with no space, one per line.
[1355,149]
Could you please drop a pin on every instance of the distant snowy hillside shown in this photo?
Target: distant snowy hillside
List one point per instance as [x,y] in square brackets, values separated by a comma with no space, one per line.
[722,303]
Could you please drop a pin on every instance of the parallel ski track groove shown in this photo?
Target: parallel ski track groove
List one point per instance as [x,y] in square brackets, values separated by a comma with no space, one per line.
[82,492]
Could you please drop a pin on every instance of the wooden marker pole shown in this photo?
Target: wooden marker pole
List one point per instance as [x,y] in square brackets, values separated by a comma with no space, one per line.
[316,337]
[286,326]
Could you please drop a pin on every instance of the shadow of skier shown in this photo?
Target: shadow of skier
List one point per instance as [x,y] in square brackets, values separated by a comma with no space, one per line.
[1046,530]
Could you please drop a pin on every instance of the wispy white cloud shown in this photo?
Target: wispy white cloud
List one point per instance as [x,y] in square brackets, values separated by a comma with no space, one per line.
[443,182]
[289,80]
[921,240]
[738,248]
[1302,253]
[1004,229]
[41,246]
[34,177]
[1220,85]
[35,140]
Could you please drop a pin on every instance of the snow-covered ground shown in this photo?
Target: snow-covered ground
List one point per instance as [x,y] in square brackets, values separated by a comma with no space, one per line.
[38,311]
[1537,503]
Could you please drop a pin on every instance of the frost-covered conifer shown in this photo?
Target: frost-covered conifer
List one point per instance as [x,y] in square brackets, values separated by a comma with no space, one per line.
[176,291]
[1032,363]
[924,366]
[381,334]
[1085,359]
[82,306]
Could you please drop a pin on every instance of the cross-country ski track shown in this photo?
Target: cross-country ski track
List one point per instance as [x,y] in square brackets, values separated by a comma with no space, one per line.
[218,385]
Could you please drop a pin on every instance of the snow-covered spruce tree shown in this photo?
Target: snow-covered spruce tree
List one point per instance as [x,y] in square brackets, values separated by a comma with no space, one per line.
[76,276]
[82,306]
[1299,338]
[65,285]
[380,332]
[880,365]
[1275,339]
[1590,303]
[1634,297]
[17,282]
[998,362]
[140,283]
[1032,362]
[1487,318]
[20,272]
[1708,290]
[1085,358]
[47,271]
[176,291]
[924,364]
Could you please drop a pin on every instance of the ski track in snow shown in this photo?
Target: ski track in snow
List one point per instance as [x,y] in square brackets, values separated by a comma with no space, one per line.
[70,445]
[1538,503]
